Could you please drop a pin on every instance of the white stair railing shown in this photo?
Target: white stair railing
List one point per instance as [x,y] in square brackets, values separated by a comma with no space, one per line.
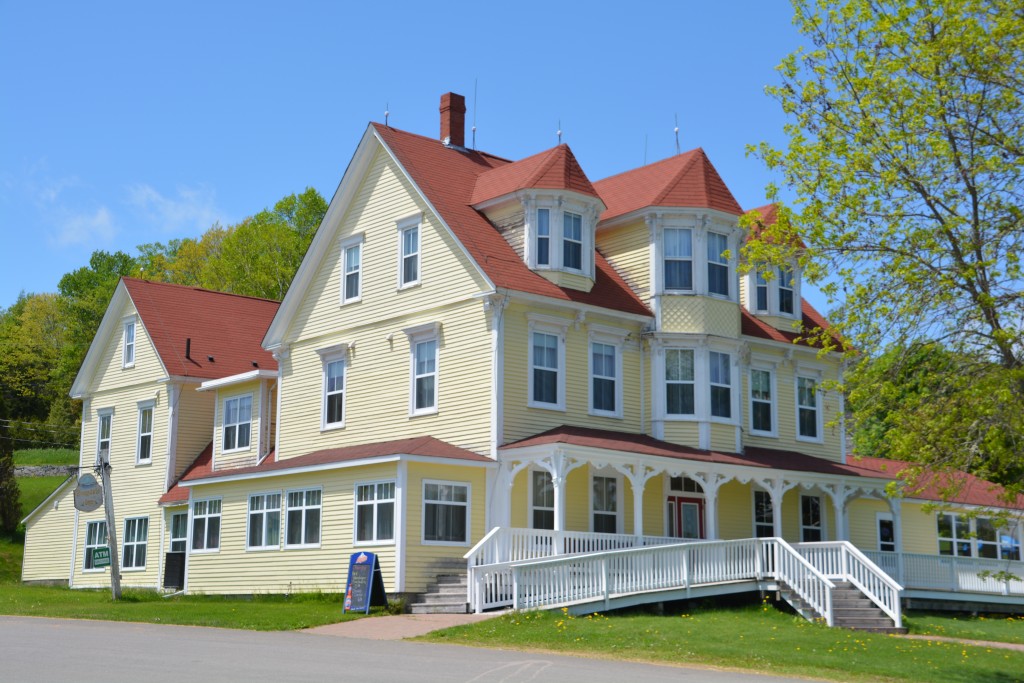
[953,574]
[842,561]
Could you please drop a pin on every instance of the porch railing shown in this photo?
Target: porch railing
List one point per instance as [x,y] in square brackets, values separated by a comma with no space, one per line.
[504,544]
[953,574]
[600,576]
[842,561]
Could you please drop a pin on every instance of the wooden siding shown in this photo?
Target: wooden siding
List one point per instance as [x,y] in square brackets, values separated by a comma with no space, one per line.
[110,373]
[521,421]
[245,457]
[510,221]
[627,249]
[48,539]
[195,426]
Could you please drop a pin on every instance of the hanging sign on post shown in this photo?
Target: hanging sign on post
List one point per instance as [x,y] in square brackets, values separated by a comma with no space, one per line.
[365,586]
[88,493]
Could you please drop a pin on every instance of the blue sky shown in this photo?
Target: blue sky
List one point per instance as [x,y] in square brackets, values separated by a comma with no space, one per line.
[123,123]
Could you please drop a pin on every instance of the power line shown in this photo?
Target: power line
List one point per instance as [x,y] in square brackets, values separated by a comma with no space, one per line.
[46,443]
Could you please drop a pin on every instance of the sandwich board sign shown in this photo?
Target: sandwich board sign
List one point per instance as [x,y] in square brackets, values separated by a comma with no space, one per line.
[365,586]
[88,493]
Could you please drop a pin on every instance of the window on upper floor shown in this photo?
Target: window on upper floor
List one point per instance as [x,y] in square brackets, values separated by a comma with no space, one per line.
[408,252]
[547,376]
[773,291]
[352,270]
[424,380]
[128,349]
[678,248]
[762,402]
[606,381]
[105,420]
[718,264]
[144,446]
[760,293]
[808,408]
[721,384]
[334,393]
[572,241]
[786,291]
[237,423]
[559,236]
[679,382]
[544,237]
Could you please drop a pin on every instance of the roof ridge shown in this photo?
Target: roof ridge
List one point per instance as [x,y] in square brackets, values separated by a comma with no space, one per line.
[678,175]
[204,290]
[551,157]
[424,137]
[653,163]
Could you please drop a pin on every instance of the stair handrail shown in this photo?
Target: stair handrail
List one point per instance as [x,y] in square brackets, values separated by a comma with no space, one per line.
[475,553]
[870,579]
[820,600]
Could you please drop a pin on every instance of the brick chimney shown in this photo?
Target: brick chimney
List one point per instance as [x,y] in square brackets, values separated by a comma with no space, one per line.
[453,119]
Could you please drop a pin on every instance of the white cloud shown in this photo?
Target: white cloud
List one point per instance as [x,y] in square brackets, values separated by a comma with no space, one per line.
[85,228]
[192,210]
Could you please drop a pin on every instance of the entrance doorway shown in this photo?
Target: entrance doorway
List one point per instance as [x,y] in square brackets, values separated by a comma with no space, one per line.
[685,517]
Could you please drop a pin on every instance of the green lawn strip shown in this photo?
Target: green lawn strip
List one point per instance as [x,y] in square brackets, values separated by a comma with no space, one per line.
[259,613]
[756,638]
[11,552]
[996,627]
[46,456]
[34,491]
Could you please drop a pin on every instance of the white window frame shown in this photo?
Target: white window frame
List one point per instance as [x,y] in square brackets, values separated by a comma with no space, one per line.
[304,507]
[87,547]
[665,259]
[885,517]
[791,289]
[143,407]
[709,262]
[760,282]
[224,423]
[135,544]
[468,505]
[772,402]
[374,505]
[566,241]
[606,473]
[615,338]
[206,516]
[172,539]
[557,208]
[664,383]
[351,244]
[537,237]
[556,327]
[424,334]
[531,502]
[955,539]
[107,415]
[413,223]
[755,279]
[818,420]
[263,513]
[770,524]
[129,344]
[822,519]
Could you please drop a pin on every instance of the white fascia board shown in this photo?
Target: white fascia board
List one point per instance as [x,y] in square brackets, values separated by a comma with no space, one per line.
[434,211]
[802,348]
[345,464]
[515,295]
[325,234]
[212,384]
[56,492]
[642,213]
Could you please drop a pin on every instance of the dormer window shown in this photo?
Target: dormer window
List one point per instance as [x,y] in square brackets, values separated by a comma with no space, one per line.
[718,264]
[679,260]
[543,237]
[774,292]
[560,235]
[572,241]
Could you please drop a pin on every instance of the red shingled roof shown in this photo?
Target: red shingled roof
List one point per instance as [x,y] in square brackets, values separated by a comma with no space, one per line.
[421,445]
[752,326]
[769,214]
[179,494]
[552,169]
[685,180]
[447,177]
[965,488]
[766,458]
[228,327]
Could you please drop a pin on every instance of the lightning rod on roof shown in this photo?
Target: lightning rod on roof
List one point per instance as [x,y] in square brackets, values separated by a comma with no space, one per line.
[677,133]
[559,132]
[387,107]
[474,113]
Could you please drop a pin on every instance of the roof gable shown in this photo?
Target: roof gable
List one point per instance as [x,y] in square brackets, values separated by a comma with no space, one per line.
[687,180]
[552,169]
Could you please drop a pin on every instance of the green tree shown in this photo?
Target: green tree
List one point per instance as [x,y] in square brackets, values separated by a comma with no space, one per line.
[906,155]
[10,501]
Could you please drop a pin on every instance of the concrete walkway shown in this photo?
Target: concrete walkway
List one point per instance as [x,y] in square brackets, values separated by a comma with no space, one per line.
[975,643]
[399,626]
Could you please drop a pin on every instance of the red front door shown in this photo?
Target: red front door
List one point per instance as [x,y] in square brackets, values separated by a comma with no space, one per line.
[685,517]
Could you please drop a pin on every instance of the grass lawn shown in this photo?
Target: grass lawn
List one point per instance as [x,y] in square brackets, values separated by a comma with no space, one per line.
[260,613]
[756,638]
[999,628]
[46,456]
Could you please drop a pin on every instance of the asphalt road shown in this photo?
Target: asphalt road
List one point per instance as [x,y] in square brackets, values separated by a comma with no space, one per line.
[55,650]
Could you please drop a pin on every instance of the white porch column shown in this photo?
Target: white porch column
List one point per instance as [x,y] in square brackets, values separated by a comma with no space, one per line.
[776,488]
[896,508]
[638,475]
[710,482]
[841,494]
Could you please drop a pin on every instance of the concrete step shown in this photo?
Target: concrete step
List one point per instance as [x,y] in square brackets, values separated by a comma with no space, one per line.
[439,608]
[462,579]
[442,598]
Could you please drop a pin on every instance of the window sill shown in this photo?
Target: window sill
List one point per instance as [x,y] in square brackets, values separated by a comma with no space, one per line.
[763,435]
[605,413]
[421,413]
[355,300]
[101,570]
[810,439]
[451,544]
[409,285]
[128,367]
[332,427]
[233,451]
[304,546]
[261,548]
[129,570]
[682,417]
[367,544]
[723,420]
[143,463]
[207,551]
[546,406]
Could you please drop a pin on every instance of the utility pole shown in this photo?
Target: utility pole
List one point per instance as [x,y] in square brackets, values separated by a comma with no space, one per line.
[108,508]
